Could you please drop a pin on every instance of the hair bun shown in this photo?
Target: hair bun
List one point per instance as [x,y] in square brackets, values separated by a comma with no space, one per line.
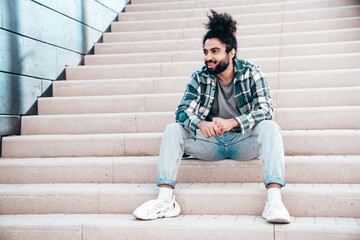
[222,23]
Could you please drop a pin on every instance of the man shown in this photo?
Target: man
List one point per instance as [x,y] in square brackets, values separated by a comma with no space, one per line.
[225,113]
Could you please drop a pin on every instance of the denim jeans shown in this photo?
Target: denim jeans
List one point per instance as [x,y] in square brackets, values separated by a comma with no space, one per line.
[263,140]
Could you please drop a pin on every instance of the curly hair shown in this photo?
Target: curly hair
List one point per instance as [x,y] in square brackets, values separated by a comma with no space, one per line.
[223,27]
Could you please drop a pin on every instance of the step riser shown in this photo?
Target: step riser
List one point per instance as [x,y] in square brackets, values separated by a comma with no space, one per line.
[230,4]
[210,227]
[262,18]
[123,86]
[42,232]
[246,53]
[296,119]
[169,102]
[268,65]
[243,9]
[241,31]
[110,199]
[186,5]
[114,170]
[113,145]
[293,80]
[268,40]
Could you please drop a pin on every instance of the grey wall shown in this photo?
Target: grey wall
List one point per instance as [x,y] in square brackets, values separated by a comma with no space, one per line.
[38,38]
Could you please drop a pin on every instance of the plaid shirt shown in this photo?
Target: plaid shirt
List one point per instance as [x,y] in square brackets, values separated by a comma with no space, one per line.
[251,92]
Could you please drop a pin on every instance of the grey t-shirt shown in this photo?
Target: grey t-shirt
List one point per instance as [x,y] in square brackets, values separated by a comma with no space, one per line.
[224,105]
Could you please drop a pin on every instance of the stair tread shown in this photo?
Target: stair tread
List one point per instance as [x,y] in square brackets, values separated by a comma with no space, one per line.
[110,115]
[286,25]
[152,159]
[214,198]
[239,38]
[241,49]
[287,118]
[264,7]
[286,11]
[186,189]
[117,219]
[122,170]
[158,134]
[180,93]
[193,5]
[110,226]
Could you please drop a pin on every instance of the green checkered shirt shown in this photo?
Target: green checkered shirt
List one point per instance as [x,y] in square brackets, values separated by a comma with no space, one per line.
[251,92]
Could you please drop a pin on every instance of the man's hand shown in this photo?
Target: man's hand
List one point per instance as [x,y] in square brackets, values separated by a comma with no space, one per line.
[209,129]
[225,125]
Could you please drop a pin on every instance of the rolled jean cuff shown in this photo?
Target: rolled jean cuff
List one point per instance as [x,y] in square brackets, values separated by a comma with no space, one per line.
[278,181]
[165,181]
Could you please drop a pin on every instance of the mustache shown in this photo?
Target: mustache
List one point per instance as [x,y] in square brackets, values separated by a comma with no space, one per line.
[210,61]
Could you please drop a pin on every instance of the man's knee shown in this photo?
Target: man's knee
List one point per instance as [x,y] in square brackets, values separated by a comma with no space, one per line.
[269,125]
[173,128]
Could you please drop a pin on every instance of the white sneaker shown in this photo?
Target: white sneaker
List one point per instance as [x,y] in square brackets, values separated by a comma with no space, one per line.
[154,209]
[275,212]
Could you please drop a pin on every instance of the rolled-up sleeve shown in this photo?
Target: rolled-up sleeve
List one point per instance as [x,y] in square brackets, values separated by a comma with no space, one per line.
[261,100]
[186,111]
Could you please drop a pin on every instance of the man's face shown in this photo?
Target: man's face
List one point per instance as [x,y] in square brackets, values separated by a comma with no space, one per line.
[216,57]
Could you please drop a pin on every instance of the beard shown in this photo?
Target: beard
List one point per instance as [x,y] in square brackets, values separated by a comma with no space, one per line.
[223,64]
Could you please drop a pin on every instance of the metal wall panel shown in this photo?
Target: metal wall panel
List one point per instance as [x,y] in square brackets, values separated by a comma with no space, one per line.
[90,12]
[36,21]
[18,94]
[38,39]
[1,14]
[26,56]
[66,58]
[11,125]
[29,57]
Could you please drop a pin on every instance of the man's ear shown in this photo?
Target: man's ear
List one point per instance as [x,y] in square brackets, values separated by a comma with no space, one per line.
[232,53]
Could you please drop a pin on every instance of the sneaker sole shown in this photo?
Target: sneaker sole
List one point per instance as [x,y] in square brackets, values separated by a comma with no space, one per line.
[278,220]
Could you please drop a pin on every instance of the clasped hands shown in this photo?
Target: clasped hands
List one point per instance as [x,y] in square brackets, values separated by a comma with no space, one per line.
[216,126]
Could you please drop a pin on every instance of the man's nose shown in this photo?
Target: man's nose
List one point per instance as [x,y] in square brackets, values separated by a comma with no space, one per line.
[208,57]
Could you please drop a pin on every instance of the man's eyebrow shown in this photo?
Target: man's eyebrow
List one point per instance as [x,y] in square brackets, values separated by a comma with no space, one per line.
[215,48]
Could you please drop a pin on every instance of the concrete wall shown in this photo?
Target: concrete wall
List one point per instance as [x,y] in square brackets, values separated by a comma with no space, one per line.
[38,38]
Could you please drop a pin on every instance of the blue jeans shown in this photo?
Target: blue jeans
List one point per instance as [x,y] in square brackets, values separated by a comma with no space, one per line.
[263,140]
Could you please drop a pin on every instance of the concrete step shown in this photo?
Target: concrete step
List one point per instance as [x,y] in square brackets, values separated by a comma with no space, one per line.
[263,6]
[324,200]
[284,80]
[296,142]
[264,40]
[260,29]
[175,69]
[154,1]
[188,5]
[324,169]
[288,118]
[211,227]
[284,98]
[245,53]
[244,19]
[253,7]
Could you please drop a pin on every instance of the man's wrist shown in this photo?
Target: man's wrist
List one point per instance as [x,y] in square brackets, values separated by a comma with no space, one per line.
[234,122]
[199,124]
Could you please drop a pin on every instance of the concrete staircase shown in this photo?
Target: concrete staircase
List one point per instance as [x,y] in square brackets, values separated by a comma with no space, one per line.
[89,158]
